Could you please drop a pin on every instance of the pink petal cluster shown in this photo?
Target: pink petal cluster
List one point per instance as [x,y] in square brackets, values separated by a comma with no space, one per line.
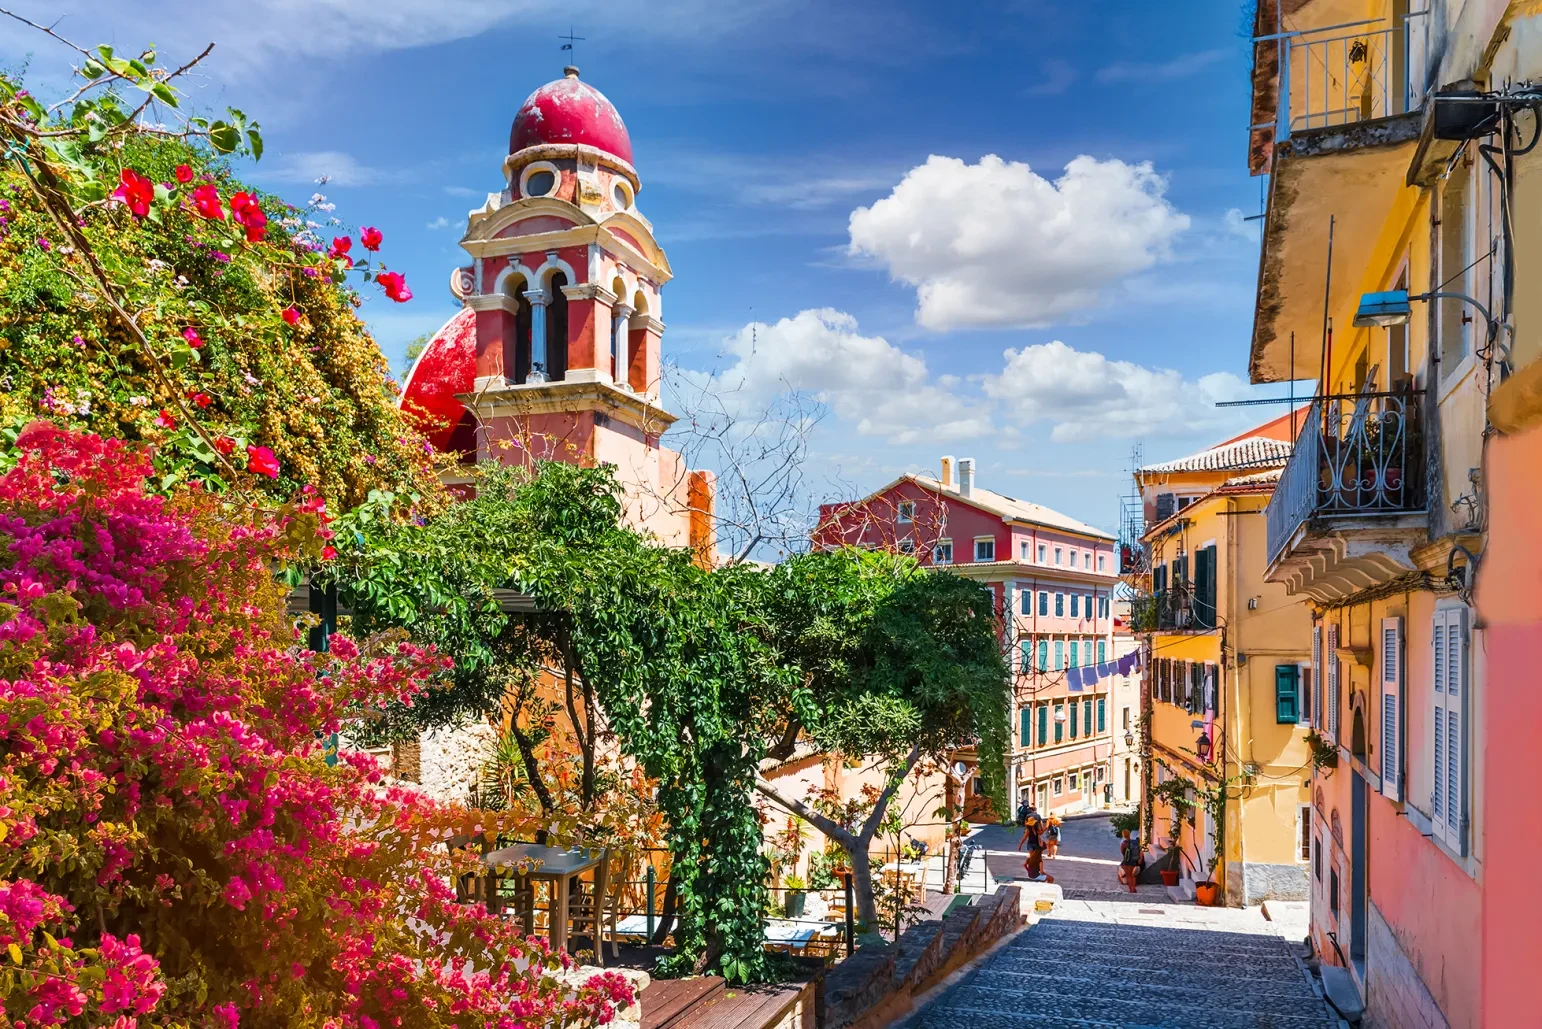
[173,846]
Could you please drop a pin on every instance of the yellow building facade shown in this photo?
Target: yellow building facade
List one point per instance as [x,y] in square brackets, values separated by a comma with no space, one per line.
[1399,237]
[1226,685]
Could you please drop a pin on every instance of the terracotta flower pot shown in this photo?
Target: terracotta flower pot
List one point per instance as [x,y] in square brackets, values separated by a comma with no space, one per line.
[1169,877]
[1207,894]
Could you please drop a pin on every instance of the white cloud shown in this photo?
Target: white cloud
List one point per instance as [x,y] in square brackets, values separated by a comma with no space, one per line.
[1058,76]
[997,244]
[338,168]
[1088,397]
[440,222]
[864,380]
[1180,67]
[1236,224]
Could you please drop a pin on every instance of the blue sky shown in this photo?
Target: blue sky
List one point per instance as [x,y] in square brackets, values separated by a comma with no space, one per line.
[824,170]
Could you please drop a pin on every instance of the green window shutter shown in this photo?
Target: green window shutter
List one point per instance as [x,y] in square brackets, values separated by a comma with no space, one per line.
[1044,603]
[1102,651]
[1102,724]
[1087,717]
[1059,654]
[1074,661]
[1073,605]
[1059,605]
[1043,724]
[1286,702]
[1059,725]
[1044,655]
[1027,649]
[1023,736]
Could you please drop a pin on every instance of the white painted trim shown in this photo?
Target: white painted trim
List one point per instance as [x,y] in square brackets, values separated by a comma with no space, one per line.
[539,166]
[514,267]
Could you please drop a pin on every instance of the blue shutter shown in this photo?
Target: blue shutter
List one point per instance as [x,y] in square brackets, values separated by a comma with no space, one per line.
[1286,703]
[1073,605]
[1027,602]
[1044,602]
[1059,605]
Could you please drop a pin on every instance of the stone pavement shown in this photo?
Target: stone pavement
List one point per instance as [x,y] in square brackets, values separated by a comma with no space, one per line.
[1108,958]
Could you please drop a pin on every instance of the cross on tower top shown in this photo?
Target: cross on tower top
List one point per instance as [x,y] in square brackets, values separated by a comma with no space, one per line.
[571,39]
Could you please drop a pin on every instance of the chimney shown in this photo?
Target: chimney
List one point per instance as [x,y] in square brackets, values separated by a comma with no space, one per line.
[947,473]
[965,476]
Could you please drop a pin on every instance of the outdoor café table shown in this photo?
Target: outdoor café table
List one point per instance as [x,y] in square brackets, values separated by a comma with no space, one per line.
[787,933]
[558,866]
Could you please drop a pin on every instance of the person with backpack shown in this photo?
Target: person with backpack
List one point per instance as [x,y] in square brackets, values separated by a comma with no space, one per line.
[1052,837]
[1032,830]
[1129,860]
[1023,808]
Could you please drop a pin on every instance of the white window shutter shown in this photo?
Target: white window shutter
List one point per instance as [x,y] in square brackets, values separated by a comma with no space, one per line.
[1457,692]
[1438,664]
[1317,719]
[1391,707]
[1331,720]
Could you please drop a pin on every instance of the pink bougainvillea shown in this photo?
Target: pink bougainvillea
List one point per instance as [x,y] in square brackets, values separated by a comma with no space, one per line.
[174,848]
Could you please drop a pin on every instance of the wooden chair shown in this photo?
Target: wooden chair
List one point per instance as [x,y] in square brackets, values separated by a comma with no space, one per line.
[593,905]
[823,947]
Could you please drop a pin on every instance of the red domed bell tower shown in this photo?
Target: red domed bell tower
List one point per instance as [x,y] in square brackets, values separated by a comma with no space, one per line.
[555,353]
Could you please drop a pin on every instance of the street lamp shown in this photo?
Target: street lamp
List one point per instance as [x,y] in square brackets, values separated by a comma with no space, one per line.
[1202,748]
[1392,307]
[1129,739]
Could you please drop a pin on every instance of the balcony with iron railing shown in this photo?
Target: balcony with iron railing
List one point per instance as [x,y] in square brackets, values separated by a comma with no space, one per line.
[1342,74]
[1179,608]
[1350,503]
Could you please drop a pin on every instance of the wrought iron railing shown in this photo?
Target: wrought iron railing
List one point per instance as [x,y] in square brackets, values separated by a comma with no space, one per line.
[1350,73]
[1358,454]
[1171,608]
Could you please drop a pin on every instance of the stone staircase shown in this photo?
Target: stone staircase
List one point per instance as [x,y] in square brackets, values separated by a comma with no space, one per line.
[1095,973]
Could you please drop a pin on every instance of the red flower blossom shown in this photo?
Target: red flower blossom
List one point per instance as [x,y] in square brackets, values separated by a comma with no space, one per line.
[164,420]
[291,316]
[193,339]
[207,200]
[136,191]
[340,246]
[261,461]
[395,286]
[184,174]
[224,444]
[201,399]
[328,552]
[370,237]
[245,209]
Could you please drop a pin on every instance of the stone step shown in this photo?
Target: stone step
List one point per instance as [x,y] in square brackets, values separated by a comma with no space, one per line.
[1156,964]
[979,1011]
[1024,995]
[1181,947]
[1202,980]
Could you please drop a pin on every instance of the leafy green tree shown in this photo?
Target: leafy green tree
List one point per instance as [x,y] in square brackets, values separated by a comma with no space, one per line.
[894,665]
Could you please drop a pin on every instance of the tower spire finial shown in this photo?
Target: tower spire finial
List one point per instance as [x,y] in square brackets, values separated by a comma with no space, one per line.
[571,71]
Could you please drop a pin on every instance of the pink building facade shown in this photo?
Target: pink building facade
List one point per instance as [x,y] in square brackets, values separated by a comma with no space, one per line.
[1054,579]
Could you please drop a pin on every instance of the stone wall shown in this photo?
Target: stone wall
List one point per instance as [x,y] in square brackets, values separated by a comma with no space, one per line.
[879,983]
[449,759]
[1396,998]
[1261,882]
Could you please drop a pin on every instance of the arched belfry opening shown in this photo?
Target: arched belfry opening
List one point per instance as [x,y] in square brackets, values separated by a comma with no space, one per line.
[516,344]
[556,328]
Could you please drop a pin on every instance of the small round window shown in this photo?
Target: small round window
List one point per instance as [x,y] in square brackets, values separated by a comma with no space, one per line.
[622,195]
[541,183]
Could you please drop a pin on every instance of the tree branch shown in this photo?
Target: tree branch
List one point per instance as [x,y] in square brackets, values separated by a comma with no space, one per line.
[871,825]
[828,826]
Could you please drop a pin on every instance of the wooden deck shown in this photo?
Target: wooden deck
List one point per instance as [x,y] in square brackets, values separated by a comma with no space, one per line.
[707,1002]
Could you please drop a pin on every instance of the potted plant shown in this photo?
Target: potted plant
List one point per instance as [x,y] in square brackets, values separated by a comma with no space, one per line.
[1170,871]
[792,904]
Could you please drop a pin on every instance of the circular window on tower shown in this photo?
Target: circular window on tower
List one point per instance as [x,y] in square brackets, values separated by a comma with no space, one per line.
[540,180]
[622,194]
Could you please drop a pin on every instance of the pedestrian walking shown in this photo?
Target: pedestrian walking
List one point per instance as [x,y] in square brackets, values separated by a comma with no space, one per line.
[1033,830]
[1129,860]
[1052,836]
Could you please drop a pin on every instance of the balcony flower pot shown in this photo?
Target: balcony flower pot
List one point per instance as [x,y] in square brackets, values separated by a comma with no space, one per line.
[792,904]
[1207,894]
[1169,877]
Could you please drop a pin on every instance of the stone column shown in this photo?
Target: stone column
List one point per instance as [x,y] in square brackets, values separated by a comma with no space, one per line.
[538,300]
[621,316]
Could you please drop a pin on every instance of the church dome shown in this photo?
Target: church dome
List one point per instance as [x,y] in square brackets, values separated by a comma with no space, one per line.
[570,111]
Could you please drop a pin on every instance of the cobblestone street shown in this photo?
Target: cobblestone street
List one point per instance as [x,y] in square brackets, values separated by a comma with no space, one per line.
[1106,957]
